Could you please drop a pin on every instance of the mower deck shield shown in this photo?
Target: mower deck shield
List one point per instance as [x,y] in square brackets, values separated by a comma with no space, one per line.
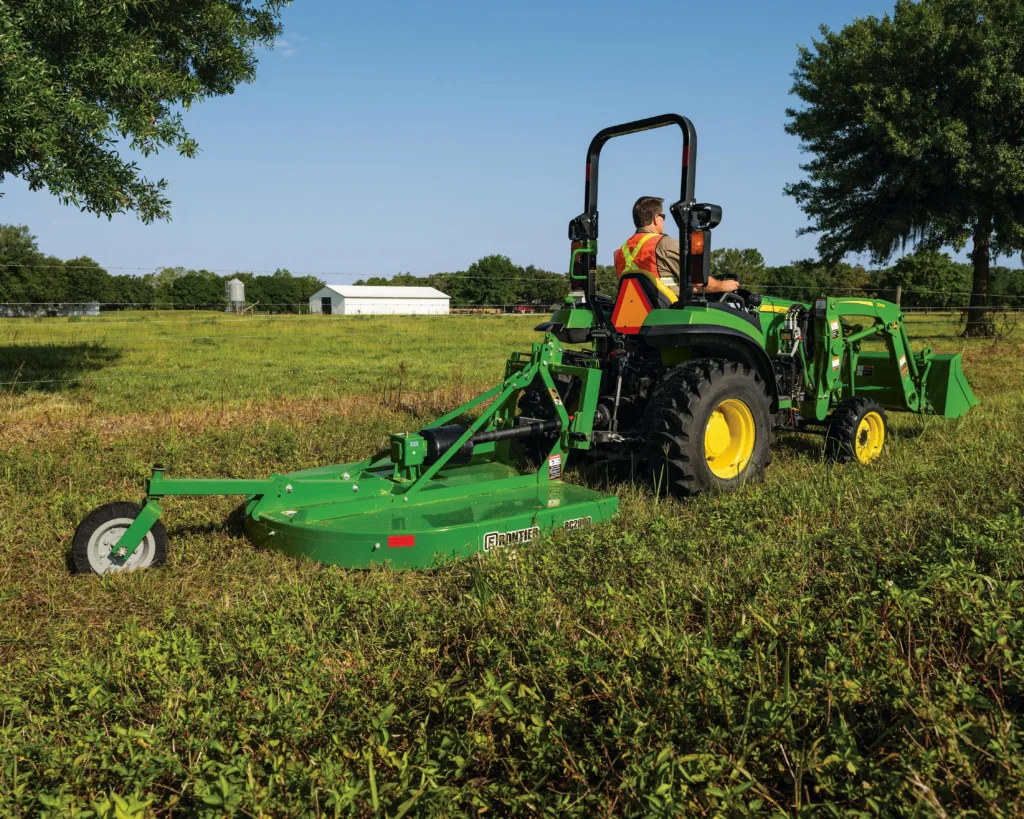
[422,529]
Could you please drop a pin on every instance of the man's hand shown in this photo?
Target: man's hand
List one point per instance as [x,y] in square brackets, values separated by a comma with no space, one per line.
[722,285]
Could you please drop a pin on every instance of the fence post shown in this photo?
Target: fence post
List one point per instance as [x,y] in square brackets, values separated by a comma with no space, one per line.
[899,295]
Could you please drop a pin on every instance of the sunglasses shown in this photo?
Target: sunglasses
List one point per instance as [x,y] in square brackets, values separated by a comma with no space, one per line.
[662,215]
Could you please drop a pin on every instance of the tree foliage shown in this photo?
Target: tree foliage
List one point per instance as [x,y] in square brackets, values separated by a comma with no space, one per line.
[29,276]
[492,280]
[79,81]
[746,266]
[928,278]
[914,124]
[807,279]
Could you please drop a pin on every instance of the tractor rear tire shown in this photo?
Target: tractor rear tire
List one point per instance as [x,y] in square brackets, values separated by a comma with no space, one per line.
[857,430]
[708,427]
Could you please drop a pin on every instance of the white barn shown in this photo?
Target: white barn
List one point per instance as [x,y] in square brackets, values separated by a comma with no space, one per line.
[354,299]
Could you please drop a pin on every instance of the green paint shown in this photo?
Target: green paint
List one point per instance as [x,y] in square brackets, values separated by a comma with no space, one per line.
[408,512]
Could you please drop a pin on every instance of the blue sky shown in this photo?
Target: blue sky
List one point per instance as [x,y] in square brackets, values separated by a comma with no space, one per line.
[418,137]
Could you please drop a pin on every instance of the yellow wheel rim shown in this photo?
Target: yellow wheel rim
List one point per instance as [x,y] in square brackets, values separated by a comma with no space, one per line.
[729,439]
[870,437]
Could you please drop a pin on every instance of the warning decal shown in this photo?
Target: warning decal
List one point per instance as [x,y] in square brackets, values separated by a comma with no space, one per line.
[835,329]
[904,372]
[866,370]
[554,467]
[555,397]
[835,363]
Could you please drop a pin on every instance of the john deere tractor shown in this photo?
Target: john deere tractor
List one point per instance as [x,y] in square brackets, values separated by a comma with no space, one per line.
[690,389]
[697,386]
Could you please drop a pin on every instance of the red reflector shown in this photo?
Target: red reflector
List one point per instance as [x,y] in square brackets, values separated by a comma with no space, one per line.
[588,171]
[401,541]
[686,155]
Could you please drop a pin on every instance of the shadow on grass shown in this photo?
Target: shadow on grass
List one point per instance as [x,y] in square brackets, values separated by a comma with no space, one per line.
[51,367]
[233,524]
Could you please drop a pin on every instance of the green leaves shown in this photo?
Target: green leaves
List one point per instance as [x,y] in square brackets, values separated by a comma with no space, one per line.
[834,640]
[78,80]
[913,122]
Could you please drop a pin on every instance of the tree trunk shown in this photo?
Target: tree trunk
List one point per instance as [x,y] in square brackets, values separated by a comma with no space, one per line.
[979,319]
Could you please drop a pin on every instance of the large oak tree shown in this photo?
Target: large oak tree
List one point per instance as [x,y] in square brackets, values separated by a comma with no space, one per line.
[915,124]
[81,80]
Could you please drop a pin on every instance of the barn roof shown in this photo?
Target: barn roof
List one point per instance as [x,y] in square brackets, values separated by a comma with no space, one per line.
[357,291]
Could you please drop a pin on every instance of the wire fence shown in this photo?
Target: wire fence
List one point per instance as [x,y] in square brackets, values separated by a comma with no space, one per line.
[79,310]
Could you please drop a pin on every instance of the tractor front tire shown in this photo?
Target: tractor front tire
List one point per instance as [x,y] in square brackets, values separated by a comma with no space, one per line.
[857,430]
[708,427]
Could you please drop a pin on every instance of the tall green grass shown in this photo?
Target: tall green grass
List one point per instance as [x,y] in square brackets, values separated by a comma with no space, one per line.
[834,640]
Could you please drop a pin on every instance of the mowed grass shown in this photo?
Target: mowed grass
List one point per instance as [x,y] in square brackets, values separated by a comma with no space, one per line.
[834,640]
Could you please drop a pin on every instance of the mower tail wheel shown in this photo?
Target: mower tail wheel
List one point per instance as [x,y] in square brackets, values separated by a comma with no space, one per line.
[708,427]
[98,533]
[857,430]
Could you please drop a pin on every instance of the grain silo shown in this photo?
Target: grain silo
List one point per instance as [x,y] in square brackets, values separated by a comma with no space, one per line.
[235,292]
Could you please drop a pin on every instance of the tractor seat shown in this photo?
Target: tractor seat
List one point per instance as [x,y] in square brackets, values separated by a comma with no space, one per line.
[638,295]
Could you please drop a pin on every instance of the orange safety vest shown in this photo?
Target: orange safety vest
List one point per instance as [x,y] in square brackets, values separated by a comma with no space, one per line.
[637,258]
[639,255]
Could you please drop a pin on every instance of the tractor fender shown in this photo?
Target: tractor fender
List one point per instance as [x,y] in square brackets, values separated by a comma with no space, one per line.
[714,341]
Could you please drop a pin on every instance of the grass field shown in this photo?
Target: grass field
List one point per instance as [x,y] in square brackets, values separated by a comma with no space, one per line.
[834,640]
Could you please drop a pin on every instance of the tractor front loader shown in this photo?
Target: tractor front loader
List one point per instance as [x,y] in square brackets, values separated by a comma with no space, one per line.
[691,389]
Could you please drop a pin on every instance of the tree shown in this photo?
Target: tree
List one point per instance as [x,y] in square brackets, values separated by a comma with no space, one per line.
[809,279]
[79,79]
[928,278]
[198,289]
[162,281]
[131,291]
[607,280]
[1007,287]
[541,286]
[492,280]
[747,266]
[26,274]
[87,281]
[914,125]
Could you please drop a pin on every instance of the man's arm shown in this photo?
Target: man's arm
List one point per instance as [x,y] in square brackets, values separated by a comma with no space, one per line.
[722,285]
[667,254]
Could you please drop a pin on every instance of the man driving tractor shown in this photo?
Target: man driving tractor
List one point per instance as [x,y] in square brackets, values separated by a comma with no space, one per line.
[649,251]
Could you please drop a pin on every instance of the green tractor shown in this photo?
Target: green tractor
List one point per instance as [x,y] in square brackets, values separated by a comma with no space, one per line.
[692,392]
[699,388]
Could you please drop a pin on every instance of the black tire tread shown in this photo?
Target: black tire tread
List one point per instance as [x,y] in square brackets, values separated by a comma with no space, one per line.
[669,417]
[79,555]
[841,433]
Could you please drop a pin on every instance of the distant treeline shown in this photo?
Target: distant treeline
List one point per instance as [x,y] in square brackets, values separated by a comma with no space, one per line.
[30,276]
[928,279]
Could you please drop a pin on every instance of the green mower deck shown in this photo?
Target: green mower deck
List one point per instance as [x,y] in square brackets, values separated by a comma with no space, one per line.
[444,492]
[479,507]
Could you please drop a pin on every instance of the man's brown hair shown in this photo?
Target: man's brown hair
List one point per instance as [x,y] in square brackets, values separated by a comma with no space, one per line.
[645,209]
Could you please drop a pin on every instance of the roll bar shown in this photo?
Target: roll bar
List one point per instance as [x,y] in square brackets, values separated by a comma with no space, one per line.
[584,226]
[688,215]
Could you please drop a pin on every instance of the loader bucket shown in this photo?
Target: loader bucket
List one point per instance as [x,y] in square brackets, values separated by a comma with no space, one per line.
[946,388]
